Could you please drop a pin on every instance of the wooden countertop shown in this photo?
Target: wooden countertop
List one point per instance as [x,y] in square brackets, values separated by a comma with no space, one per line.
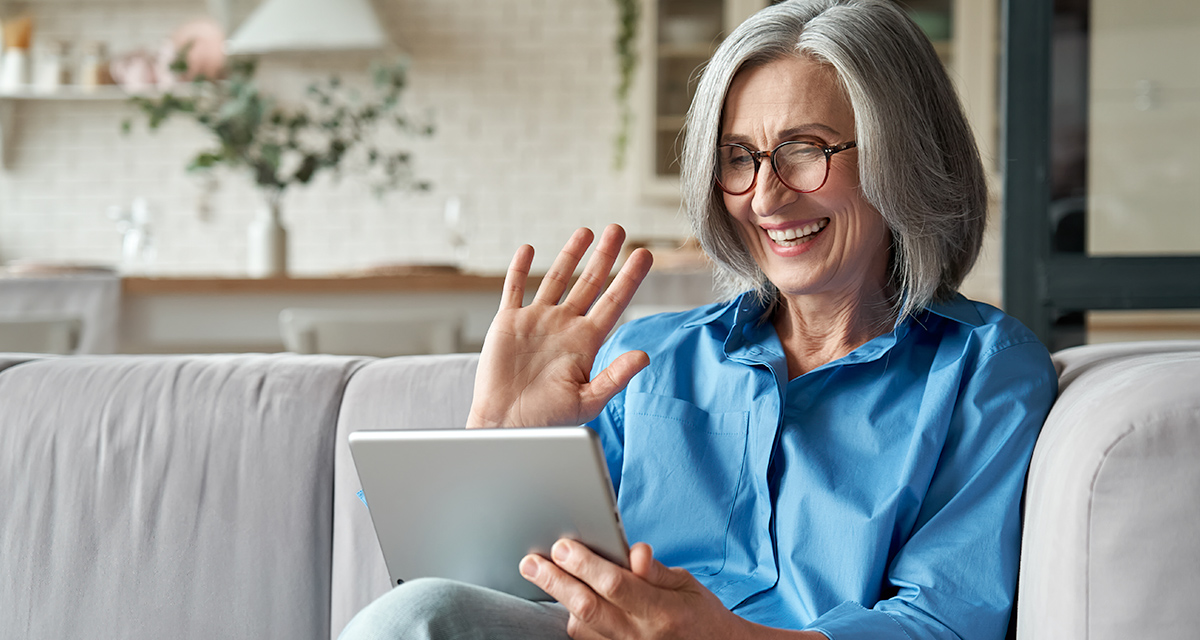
[418,281]
[393,278]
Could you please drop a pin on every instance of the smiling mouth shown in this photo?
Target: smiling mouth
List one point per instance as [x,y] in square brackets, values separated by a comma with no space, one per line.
[796,235]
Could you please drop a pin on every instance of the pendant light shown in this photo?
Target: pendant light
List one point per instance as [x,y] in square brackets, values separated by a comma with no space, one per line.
[309,25]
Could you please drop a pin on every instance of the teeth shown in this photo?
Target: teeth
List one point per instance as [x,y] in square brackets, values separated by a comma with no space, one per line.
[796,235]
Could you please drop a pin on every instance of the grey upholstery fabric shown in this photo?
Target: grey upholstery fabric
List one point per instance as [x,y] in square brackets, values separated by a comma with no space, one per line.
[417,392]
[1110,548]
[168,496]
[214,496]
[12,359]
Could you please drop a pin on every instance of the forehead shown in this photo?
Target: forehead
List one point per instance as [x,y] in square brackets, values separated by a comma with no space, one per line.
[784,97]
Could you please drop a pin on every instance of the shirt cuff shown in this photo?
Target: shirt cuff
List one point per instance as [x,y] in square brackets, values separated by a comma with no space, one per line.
[850,621]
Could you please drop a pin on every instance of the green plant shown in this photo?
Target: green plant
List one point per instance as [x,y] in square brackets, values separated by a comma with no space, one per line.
[628,15]
[284,145]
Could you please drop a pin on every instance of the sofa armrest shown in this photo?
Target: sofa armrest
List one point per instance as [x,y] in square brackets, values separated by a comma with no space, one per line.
[1113,498]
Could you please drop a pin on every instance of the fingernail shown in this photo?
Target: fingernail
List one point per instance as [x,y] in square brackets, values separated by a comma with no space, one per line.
[529,567]
[559,551]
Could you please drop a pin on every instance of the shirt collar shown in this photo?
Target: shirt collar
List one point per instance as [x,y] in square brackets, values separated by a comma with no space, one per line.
[959,309]
[750,339]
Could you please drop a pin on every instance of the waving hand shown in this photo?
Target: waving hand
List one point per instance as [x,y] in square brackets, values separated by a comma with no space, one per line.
[537,359]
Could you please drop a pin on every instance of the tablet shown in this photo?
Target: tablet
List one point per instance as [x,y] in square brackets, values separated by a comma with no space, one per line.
[469,504]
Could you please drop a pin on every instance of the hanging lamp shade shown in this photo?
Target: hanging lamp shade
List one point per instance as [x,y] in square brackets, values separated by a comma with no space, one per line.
[309,25]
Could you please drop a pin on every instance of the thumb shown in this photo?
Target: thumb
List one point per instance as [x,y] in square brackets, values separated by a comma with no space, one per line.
[615,377]
[644,566]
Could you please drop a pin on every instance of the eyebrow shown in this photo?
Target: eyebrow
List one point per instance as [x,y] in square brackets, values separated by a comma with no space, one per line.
[787,134]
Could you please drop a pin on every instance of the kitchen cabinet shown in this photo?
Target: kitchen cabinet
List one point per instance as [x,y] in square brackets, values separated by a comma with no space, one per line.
[678,36]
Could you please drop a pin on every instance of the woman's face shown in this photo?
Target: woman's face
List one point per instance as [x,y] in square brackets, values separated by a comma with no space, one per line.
[842,243]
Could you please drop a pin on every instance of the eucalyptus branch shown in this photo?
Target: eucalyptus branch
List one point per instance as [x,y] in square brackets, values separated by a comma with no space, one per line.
[628,15]
[289,145]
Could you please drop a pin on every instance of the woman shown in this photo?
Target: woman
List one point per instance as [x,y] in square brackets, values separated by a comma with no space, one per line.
[837,452]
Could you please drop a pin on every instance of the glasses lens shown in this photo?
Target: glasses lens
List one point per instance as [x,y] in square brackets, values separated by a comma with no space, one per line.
[735,168]
[801,165]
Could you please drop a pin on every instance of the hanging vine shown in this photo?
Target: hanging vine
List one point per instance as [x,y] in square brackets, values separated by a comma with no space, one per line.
[628,15]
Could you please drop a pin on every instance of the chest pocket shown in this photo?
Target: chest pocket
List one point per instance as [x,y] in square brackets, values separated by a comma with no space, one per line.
[684,469]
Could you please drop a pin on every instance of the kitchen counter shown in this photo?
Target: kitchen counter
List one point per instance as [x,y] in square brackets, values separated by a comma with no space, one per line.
[417,280]
[212,314]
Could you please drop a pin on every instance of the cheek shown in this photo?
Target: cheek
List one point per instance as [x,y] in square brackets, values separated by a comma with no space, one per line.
[733,205]
[844,178]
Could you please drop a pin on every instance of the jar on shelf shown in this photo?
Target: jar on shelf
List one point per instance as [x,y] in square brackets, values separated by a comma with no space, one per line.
[94,66]
[51,71]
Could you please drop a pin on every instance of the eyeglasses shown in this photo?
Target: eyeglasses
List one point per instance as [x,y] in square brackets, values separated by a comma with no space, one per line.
[800,166]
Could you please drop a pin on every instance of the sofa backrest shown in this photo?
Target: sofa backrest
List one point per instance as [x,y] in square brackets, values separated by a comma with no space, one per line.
[167,496]
[414,392]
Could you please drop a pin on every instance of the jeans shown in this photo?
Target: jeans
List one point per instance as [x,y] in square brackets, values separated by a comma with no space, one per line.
[437,609]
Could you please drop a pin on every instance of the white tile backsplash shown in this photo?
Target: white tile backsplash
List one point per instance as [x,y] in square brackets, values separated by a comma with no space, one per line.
[521,92]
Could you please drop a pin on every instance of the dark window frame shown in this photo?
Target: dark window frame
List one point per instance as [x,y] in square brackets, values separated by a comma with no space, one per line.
[1046,288]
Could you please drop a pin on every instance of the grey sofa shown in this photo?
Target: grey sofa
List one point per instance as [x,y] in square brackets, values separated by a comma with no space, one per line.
[214,496]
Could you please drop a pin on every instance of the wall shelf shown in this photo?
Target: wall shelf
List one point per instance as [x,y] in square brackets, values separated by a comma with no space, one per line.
[71,93]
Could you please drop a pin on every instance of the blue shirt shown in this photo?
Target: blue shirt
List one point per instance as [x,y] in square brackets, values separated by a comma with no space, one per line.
[876,496]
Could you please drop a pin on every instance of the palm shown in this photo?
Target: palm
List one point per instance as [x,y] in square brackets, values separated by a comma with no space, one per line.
[537,359]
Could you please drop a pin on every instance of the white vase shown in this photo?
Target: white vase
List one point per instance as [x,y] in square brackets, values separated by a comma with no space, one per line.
[267,244]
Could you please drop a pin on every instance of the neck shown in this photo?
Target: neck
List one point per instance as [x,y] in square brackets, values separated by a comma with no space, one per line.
[815,330]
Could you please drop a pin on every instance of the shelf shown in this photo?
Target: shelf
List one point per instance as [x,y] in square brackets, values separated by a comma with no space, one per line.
[67,93]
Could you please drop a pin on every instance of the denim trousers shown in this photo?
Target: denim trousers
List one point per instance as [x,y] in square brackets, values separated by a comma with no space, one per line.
[436,609]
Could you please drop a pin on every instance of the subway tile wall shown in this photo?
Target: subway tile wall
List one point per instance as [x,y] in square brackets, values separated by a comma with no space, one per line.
[521,92]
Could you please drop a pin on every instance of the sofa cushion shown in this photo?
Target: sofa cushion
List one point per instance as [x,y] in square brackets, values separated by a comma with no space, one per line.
[1110,547]
[168,496]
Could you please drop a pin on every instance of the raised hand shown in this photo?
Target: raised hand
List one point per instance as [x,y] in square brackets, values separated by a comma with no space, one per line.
[536,362]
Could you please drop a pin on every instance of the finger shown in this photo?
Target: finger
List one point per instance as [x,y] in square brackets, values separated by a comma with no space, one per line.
[555,282]
[516,277]
[591,610]
[612,303]
[595,274]
[644,566]
[616,376]
[611,582]
[641,560]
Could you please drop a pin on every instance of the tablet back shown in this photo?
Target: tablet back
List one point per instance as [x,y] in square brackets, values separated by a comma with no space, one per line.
[468,505]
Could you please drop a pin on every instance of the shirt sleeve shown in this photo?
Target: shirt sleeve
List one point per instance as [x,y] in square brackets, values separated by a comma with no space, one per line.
[955,576]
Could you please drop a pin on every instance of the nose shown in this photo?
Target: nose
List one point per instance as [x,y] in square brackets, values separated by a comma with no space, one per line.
[769,193]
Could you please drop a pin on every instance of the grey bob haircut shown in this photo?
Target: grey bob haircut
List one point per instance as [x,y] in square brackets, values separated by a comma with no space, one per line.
[918,163]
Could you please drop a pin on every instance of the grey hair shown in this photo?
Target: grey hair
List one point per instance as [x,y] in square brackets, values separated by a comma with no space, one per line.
[918,163]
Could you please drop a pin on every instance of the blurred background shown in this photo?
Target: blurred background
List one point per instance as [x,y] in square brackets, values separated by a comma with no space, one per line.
[523,120]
